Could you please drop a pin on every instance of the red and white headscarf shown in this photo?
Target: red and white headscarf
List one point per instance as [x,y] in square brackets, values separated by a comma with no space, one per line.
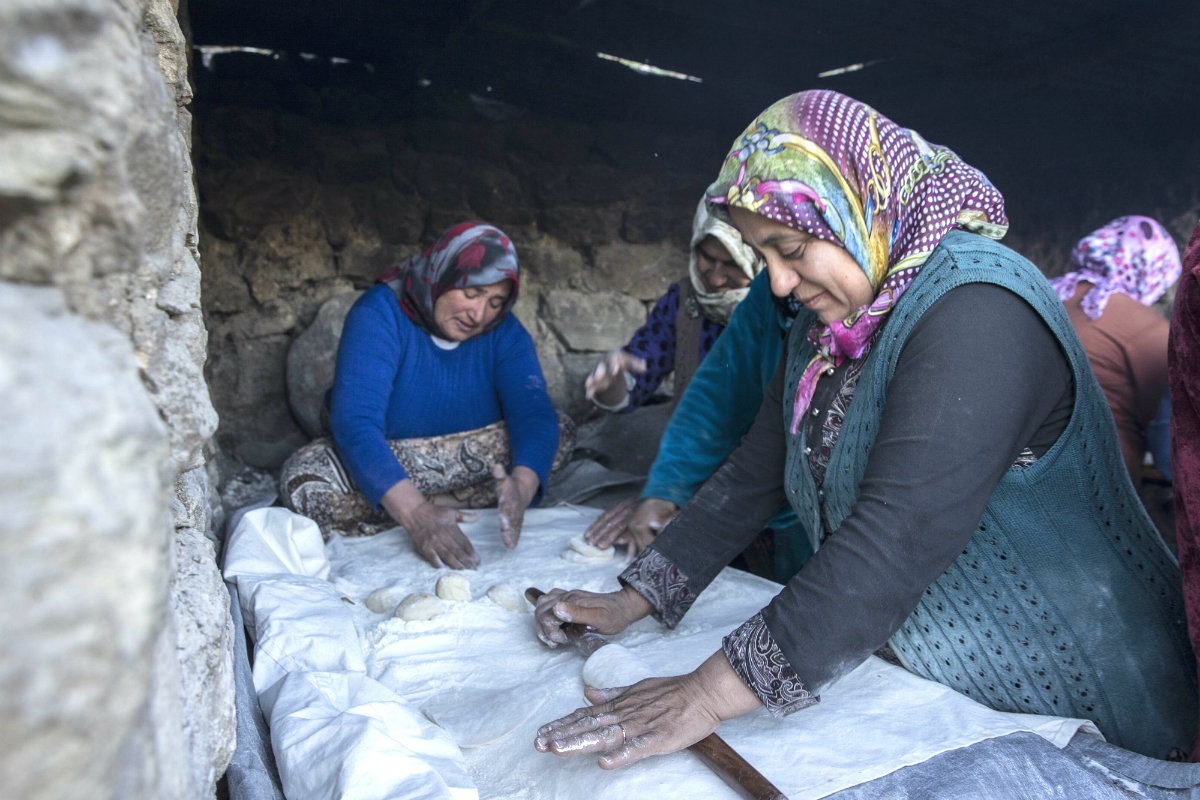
[1132,255]
[837,169]
[469,254]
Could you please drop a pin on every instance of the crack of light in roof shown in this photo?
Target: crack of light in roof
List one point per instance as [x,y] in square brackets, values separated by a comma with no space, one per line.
[207,51]
[829,73]
[646,69]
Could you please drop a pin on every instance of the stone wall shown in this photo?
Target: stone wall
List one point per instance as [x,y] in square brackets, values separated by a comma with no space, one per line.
[303,200]
[115,648]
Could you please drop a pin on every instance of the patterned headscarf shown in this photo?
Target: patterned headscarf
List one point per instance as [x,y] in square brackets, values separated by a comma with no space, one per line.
[469,254]
[835,168]
[1131,255]
[718,306]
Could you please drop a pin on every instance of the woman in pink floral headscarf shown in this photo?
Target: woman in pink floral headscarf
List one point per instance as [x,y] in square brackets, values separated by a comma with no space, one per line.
[936,428]
[1120,271]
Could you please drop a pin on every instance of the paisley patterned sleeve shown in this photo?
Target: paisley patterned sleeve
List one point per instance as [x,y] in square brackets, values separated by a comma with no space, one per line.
[758,661]
[657,579]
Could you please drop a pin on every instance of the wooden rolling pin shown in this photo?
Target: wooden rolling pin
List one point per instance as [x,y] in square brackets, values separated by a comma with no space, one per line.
[738,773]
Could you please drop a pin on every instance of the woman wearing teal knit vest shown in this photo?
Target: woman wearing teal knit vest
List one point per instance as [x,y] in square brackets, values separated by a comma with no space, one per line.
[937,429]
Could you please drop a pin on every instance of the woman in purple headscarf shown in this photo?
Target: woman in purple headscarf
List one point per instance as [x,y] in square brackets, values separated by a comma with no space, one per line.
[936,428]
[438,404]
[1119,271]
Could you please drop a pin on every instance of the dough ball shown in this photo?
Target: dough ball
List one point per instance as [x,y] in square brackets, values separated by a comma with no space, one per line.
[507,597]
[420,606]
[588,551]
[454,586]
[384,601]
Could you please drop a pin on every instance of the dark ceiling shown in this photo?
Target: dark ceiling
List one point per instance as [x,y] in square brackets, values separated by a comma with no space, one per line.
[1037,93]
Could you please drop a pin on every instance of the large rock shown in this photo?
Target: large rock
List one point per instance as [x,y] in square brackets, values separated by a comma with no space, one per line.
[643,271]
[311,363]
[85,487]
[592,320]
[115,671]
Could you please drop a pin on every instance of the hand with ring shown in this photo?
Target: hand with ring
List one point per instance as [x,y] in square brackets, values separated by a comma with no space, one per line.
[652,717]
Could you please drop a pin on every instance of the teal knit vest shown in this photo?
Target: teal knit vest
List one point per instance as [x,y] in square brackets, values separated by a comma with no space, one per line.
[1065,601]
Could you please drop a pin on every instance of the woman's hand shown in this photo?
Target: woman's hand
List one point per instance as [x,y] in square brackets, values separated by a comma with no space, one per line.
[433,529]
[606,383]
[652,516]
[606,613]
[612,526]
[652,717]
[631,523]
[514,493]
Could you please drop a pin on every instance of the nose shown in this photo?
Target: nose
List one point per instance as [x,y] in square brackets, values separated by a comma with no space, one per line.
[783,280]
[717,279]
[475,310]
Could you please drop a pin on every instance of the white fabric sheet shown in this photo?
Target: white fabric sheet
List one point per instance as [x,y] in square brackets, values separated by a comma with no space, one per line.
[342,686]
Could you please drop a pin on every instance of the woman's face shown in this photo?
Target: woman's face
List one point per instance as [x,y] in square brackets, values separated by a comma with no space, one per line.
[718,271]
[463,313]
[821,275]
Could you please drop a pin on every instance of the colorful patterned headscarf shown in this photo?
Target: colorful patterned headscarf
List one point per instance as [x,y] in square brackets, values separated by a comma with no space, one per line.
[469,254]
[1131,255]
[718,306]
[837,169]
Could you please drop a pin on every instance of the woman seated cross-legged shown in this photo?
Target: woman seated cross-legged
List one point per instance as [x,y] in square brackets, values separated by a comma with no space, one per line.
[438,405]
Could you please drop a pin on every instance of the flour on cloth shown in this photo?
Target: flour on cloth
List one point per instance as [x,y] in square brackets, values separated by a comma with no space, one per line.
[479,671]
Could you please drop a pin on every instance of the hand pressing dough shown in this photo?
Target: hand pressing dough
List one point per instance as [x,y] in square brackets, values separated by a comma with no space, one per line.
[385,600]
[507,597]
[581,552]
[454,586]
[420,606]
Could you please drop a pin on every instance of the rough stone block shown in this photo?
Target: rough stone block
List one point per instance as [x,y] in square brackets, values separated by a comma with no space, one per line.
[593,321]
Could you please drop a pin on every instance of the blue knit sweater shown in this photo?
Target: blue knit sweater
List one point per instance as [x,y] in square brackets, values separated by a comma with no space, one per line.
[1065,600]
[394,382]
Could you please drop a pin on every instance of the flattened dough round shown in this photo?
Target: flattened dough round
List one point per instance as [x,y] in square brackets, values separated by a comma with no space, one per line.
[420,606]
[507,597]
[614,665]
[580,551]
[454,586]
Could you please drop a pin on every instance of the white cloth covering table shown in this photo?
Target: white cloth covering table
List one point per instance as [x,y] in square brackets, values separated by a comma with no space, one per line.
[351,696]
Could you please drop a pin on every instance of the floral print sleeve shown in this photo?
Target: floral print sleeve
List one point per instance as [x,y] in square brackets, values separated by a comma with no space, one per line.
[657,579]
[758,661]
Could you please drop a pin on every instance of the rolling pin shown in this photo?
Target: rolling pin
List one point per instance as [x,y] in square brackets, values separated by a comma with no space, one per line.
[737,773]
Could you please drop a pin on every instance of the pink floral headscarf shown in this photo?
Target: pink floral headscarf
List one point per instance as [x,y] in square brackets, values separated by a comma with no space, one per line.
[469,254]
[1132,255]
[837,169]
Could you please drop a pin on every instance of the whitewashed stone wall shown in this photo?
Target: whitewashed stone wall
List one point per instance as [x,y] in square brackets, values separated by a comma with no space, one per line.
[115,646]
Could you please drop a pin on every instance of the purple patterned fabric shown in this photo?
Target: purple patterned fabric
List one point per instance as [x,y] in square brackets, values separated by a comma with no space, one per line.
[1131,255]
[835,168]
[469,254]
[655,343]
[758,661]
[662,583]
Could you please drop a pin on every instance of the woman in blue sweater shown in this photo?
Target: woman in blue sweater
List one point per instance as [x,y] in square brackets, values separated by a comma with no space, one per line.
[936,426]
[438,404]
